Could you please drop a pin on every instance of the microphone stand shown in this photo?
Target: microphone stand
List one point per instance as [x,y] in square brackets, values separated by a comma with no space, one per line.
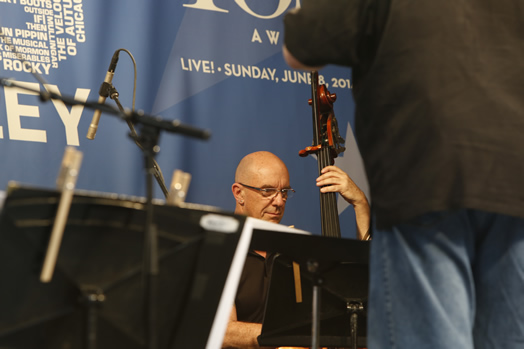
[149,138]
[150,132]
[147,142]
[70,101]
[113,94]
[173,126]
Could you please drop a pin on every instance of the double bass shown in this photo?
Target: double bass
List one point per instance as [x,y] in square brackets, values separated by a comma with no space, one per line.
[327,144]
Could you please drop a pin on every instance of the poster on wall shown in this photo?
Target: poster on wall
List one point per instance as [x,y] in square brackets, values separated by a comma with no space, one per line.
[214,65]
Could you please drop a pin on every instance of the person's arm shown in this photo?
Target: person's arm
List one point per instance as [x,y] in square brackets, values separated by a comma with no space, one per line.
[333,179]
[295,63]
[241,334]
[322,32]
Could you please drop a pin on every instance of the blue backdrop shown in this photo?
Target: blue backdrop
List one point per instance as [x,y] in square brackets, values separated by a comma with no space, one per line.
[212,64]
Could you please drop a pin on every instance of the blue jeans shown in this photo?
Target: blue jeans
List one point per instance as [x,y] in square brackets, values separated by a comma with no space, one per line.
[451,280]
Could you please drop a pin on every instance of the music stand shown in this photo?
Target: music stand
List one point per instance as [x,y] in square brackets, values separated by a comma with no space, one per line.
[336,266]
[95,296]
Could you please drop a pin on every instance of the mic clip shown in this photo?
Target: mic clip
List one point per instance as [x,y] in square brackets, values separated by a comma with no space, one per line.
[105,89]
[108,90]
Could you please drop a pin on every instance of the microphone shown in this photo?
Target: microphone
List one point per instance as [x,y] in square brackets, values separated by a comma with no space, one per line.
[104,93]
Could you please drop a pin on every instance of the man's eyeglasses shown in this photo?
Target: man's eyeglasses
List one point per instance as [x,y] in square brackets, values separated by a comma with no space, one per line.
[272,192]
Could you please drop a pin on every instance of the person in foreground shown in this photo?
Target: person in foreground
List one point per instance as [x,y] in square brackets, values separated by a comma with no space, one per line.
[438,88]
[261,190]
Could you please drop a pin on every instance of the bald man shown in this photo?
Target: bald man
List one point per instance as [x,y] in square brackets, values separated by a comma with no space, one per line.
[261,190]
[261,170]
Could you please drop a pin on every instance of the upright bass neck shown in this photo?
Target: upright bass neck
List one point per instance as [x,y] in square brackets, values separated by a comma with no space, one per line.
[327,146]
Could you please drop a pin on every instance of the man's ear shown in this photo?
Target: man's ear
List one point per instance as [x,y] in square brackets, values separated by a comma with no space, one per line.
[238,192]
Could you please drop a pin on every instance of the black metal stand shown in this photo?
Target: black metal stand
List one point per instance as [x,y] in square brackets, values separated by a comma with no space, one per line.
[315,306]
[92,298]
[148,143]
[353,308]
[149,139]
[334,281]
[110,91]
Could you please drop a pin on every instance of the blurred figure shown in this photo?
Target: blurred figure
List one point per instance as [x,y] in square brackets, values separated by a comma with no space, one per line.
[438,88]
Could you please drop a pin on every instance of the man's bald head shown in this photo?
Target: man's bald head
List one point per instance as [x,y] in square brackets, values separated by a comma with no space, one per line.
[252,164]
[260,169]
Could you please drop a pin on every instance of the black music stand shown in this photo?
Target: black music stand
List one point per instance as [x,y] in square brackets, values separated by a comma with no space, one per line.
[338,268]
[95,297]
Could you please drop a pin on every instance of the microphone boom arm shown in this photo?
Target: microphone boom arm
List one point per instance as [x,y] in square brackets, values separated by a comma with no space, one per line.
[113,94]
[173,126]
